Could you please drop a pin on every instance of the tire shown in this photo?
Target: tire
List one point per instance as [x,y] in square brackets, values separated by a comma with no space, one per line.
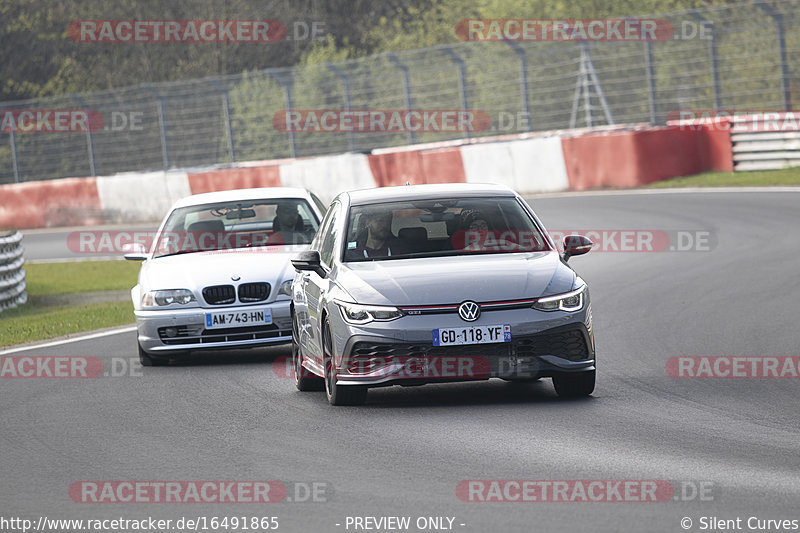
[147,359]
[574,385]
[304,379]
[338,394]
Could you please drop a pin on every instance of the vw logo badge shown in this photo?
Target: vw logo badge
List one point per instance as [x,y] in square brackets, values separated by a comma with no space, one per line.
[235,277]
[469,311]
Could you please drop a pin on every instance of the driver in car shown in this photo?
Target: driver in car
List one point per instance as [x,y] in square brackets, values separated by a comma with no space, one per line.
[379,241]
[288,225]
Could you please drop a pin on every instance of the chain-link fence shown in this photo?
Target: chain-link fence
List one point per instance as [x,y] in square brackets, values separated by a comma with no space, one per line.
[741,56]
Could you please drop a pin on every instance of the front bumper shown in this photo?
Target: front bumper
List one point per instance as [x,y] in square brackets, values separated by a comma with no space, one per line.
[176,330]
[545,344]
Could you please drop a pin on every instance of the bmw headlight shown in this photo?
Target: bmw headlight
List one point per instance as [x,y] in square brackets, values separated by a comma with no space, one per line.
[167,297]
[568,301]
[363,314]
[286,288]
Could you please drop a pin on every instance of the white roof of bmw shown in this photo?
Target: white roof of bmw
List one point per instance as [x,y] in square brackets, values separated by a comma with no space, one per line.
[434,190]
[260,193]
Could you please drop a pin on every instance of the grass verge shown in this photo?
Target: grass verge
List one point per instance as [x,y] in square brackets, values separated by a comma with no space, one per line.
[31,322]
[80,276]
[45,317]
[755,178]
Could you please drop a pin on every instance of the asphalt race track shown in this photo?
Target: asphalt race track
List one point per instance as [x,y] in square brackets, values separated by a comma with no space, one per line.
[729,447]
[65,243]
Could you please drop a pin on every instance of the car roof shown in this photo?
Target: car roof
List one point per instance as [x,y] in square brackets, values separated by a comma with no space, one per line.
[259,193]
[418,192]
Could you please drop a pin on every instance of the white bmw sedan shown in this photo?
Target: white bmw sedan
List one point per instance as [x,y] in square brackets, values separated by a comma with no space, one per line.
[217,274]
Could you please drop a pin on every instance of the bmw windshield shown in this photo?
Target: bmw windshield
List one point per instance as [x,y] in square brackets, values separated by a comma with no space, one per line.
[240,224]
[440,227]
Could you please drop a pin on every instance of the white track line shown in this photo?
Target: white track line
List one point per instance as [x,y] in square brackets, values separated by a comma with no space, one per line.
[73,260]
[679,190]
[125,329]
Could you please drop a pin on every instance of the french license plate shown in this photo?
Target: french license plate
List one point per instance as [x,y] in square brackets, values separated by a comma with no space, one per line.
[238,319]
[471,335]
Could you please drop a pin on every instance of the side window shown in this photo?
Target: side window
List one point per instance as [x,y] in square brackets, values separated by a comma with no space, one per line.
[328,235]
[323,228]
[322,207]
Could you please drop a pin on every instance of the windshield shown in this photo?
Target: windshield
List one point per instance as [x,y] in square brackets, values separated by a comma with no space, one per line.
[440,227]
[237,224]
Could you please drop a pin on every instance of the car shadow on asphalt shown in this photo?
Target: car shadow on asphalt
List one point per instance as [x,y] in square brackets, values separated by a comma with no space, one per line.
[266,355]
[491,392]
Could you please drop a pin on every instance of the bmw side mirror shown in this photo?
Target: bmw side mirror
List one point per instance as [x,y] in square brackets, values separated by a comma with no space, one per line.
[135,251]
[309,261]
[576,245]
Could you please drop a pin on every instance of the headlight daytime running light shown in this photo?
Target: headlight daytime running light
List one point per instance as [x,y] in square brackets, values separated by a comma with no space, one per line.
[364,314]
[165,297]
[568,301]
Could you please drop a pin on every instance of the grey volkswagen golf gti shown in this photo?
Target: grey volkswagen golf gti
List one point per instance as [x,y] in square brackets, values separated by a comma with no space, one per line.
[438,283]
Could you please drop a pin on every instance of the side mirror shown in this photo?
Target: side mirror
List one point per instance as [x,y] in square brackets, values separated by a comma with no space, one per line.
[576,245]
[135,251]
[309,261]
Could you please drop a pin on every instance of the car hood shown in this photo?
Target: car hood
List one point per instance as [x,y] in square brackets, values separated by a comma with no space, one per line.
[200,269]
[447,280]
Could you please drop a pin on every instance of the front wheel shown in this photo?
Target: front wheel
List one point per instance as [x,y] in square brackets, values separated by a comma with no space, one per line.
[147,359]
[574,384]
[304,379]
[338,394]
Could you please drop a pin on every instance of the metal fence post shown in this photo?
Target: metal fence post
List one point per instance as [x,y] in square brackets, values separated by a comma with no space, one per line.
[89,137]
[346,83]
[12,139]
[285,81]
[712,43]
[462,79]
[14,155]
[651,82]
[523,74]
[778,18]
[412,138]
[226,111]
[162,124]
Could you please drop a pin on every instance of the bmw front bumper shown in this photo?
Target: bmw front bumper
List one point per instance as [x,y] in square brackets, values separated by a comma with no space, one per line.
[174,330]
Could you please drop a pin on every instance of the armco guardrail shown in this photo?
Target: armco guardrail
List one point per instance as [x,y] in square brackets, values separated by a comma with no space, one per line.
[720,56]
[765,141]
[12,275]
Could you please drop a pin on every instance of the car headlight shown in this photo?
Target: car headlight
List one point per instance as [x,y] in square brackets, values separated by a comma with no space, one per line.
[362,314]
[167,297]
[286,288]
[569,301]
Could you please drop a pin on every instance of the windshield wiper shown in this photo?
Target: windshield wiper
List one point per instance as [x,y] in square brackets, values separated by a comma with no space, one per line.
[181,252]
